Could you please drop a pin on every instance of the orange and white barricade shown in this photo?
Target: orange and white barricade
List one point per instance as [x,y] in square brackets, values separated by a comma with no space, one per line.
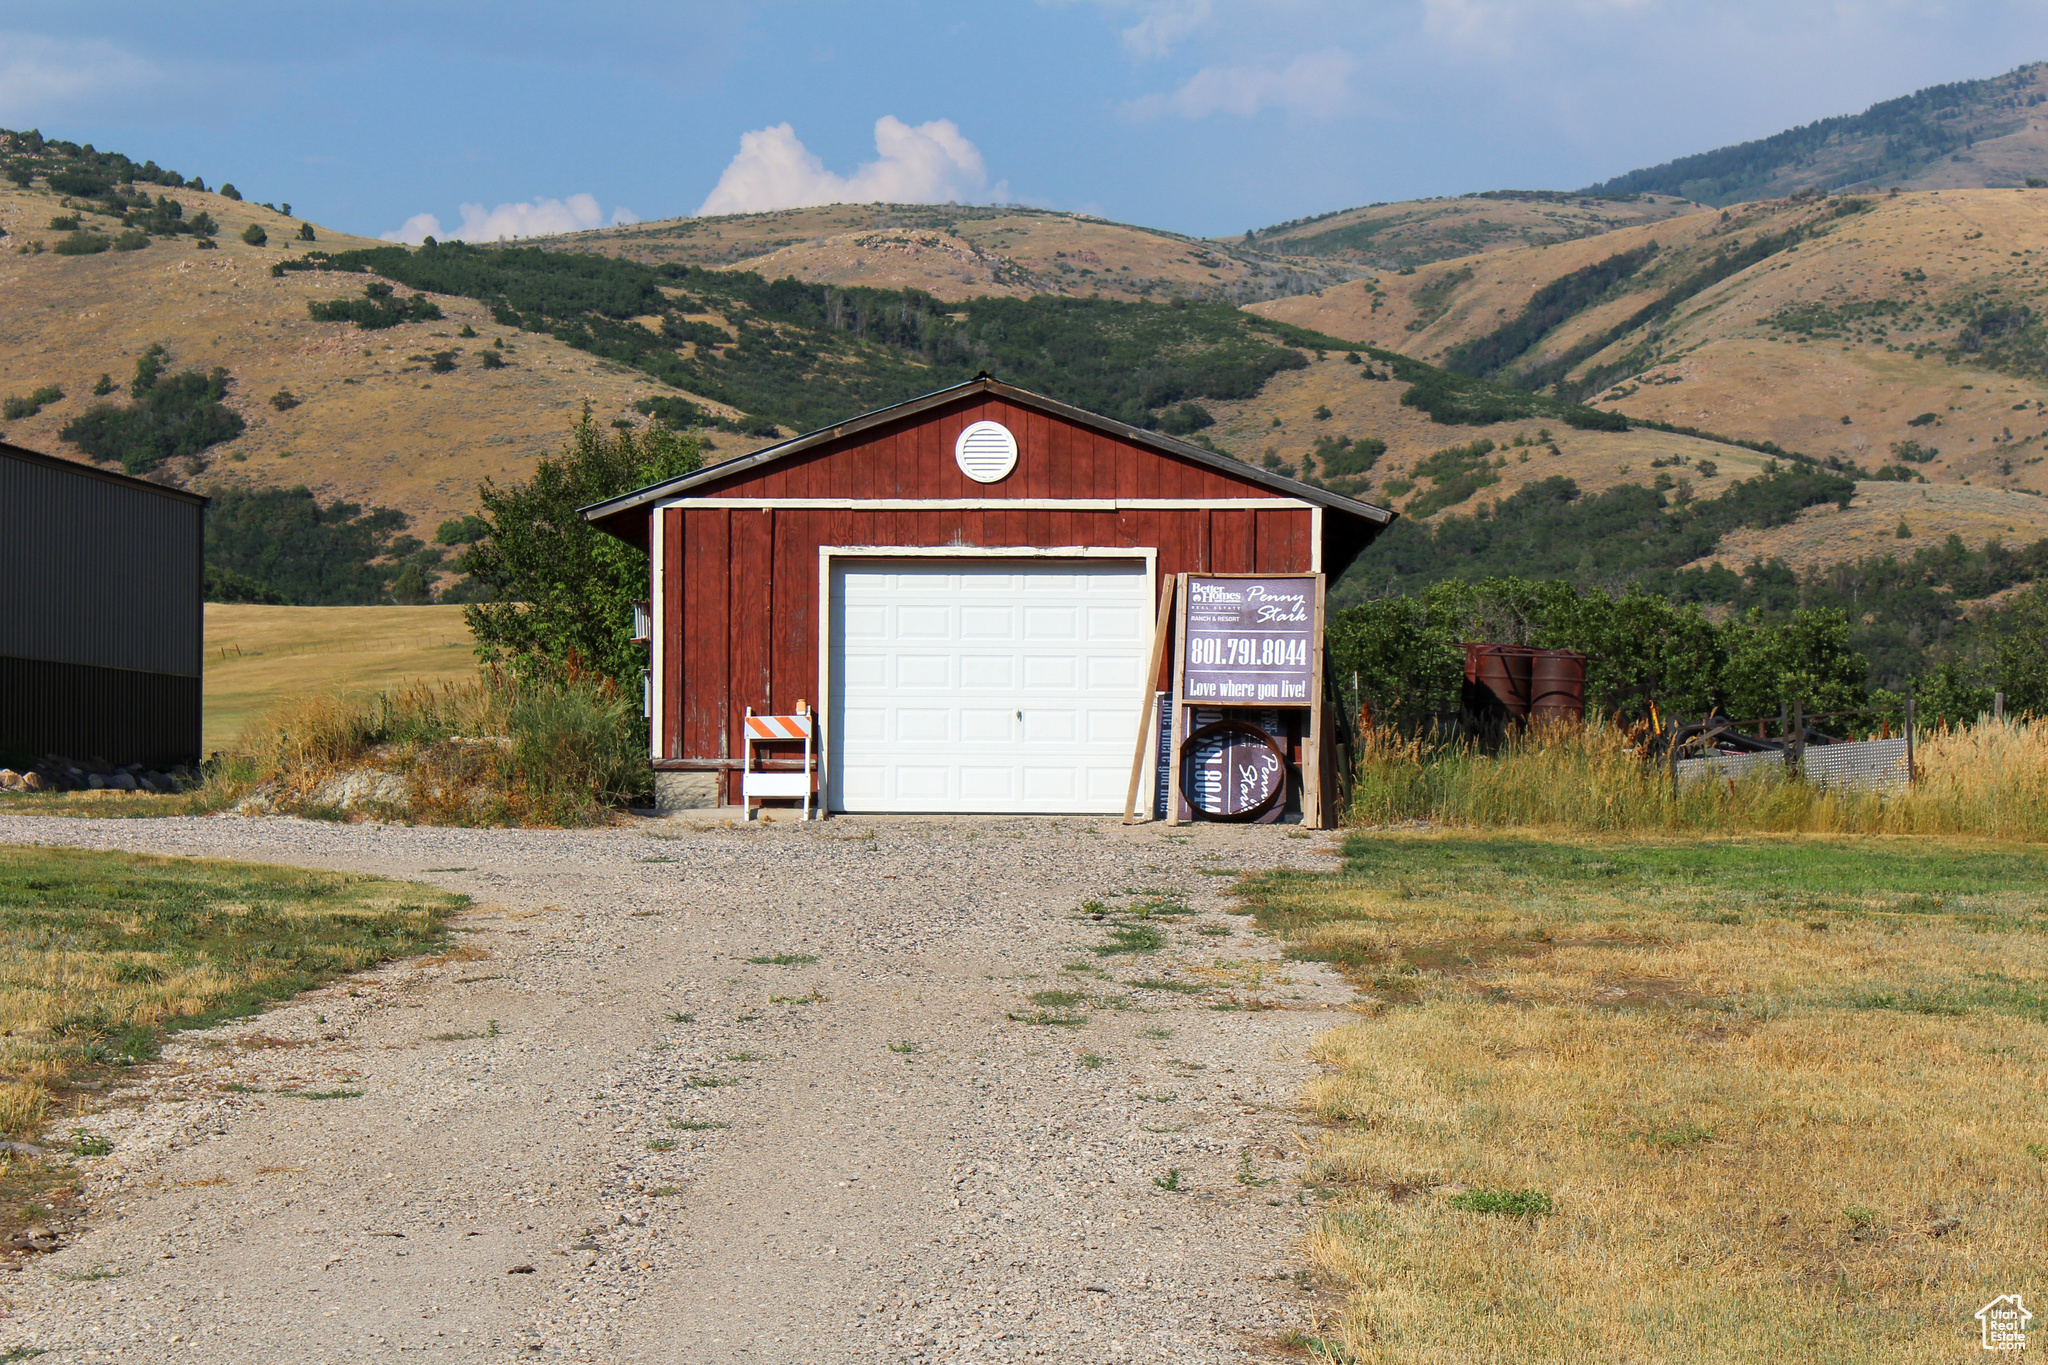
[767,730]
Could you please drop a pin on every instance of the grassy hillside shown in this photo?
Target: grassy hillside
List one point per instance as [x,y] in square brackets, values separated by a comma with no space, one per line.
[1845,327]
[1968,134]
[957,251]
[367,420]
[1418,232]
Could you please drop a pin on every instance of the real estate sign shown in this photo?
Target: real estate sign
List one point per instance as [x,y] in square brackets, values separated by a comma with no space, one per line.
[1250,641]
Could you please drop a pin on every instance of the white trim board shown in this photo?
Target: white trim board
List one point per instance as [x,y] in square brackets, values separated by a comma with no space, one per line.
[1000,504]
[656,564]
[827,553]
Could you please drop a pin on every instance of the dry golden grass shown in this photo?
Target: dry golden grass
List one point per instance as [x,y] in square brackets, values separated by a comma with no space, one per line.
[951,251]
[1416,231]
[258,656]
[1782,1091]
[371,426]
[1984,780]
[100,953]
[1720,368]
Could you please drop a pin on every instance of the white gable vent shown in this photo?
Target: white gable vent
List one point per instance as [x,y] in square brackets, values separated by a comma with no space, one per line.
[986,452]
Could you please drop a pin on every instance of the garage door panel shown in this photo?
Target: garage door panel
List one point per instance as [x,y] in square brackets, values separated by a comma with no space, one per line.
[987,623]
[1057,671]
[986,670]
[988,727]
[923,727]
[986,687]
[924,670]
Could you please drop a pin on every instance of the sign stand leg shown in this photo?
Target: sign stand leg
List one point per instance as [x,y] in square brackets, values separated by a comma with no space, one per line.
[1151,688]
[1180,706]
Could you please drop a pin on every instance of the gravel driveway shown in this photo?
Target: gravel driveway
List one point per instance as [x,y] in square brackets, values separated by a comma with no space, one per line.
[602,1131]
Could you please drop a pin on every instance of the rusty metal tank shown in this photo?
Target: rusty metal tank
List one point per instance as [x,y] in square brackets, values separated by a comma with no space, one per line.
[1503,672]
[1557,685]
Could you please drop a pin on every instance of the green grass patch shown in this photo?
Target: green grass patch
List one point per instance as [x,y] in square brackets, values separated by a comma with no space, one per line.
[1513,1203]
[102,954]
[1131,938]
[784,960]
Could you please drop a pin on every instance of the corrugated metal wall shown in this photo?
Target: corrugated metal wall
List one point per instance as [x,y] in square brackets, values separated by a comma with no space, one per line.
[95,572]
[84,712]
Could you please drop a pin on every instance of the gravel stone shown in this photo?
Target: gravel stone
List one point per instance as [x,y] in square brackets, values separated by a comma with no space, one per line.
[598,1131]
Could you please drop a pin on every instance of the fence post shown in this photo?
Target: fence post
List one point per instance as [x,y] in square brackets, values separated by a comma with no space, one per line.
[1798,739]
[1909,736]
[1671,753]
[1998,706]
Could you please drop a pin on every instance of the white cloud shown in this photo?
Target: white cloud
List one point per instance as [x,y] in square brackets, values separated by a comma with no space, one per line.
[928,164]
[577,213]
[44,77]
[1314,85]
[1165,24]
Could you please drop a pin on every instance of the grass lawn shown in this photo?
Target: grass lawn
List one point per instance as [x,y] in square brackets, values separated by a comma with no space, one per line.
[1771,1098]
[102,953]
[257,656]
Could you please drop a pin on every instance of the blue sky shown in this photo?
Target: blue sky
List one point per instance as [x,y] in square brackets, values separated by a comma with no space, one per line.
[1205,116]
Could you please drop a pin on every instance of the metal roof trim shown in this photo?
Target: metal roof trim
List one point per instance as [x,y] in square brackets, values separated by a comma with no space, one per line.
[27,456]
[1279,483]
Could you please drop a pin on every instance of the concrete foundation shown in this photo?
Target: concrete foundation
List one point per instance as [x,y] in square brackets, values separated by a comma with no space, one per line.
[685,791]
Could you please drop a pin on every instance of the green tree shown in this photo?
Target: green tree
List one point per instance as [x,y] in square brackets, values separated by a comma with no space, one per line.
[1805,659]
[562,589]
[410,589]
[230,192]
[2018,636]
[306,233]
[254,235]
[1945,694]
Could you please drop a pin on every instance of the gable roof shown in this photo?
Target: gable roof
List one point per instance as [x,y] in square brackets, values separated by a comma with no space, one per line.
[1375,518]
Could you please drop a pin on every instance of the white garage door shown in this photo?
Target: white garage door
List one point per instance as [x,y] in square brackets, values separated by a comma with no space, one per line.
[964,685]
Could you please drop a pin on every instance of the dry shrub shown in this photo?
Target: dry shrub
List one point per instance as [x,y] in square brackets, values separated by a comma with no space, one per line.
[1990,778]
[498,749]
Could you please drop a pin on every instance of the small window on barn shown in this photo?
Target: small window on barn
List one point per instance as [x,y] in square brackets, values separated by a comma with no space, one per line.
[986,452]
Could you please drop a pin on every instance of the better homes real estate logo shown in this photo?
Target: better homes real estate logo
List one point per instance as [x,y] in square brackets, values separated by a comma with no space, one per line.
[2005,1321]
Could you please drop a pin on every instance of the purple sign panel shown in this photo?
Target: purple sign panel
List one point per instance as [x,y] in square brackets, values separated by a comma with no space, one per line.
[1249,641]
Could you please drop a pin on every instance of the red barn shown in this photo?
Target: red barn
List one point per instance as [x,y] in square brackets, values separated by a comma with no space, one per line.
[962,587]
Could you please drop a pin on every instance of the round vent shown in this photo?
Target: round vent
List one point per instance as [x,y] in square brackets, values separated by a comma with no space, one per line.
[986,452]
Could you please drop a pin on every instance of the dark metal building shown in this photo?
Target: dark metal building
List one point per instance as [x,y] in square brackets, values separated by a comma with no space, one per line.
[102,611]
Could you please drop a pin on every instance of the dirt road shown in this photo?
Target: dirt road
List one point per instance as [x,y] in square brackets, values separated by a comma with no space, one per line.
[609,1127]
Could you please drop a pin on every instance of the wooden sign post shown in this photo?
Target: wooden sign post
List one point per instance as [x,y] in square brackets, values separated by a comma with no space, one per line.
[1249,641]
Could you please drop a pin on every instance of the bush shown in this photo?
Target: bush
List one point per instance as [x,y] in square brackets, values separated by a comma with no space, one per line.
[230,192]
[173,416]
[284,400]
[491,360]
[254,235]
[83,244]
[131,240]
[202,225]
[376,309]
[443,362]
[13,409]
[306,233]
[562,750]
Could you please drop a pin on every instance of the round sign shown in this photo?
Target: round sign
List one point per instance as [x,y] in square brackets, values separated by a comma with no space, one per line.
[986,452]
[1232,770]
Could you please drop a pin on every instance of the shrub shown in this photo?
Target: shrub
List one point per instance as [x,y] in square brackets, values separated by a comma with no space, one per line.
[284,400]
[254,234]
[230,192]
[104,387]
[567,749]
[131,240]
[491,360]
[306,233]
[83,244]
[376,309]
[67,222]
[443,362]
[202,225]
[13,409]
[173,415]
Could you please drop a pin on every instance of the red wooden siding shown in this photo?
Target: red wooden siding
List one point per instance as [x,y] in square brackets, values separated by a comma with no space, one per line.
[740,585]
